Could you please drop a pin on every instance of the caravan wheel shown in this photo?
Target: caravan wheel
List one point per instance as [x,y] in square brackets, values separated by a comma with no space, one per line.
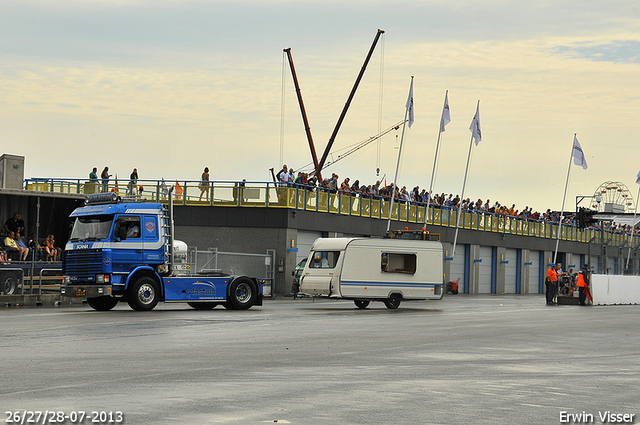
[393,301]
[361,303]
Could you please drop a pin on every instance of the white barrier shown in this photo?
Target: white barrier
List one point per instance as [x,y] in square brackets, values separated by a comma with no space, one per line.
[615,289]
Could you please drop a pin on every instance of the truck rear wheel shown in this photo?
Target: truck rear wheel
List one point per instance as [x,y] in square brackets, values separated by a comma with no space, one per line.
[144,294]
[203,306]
[393,301]
[361,303]
[102,303]
[243,293]
[9,283]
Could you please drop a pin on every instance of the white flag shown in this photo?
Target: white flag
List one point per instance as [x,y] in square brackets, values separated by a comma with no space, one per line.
[578,155]
[409,105]
[475,126]
[446,115]
[638,178]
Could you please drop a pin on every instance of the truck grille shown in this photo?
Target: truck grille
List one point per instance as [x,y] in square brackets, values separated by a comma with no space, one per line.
[82,263]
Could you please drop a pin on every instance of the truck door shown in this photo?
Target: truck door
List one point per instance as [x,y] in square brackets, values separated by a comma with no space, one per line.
[128,247]
[319,272]
[153,244]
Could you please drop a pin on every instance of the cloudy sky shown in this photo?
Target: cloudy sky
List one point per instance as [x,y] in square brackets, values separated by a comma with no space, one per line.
[171,86]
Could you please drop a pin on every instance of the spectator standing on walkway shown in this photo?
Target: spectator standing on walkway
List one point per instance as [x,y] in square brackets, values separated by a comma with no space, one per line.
[105,179]
[291,178]
[133,181]
[283,175]
[204,184]
[93,175]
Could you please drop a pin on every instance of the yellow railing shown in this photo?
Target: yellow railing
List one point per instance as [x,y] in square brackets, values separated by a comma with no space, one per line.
[270,195]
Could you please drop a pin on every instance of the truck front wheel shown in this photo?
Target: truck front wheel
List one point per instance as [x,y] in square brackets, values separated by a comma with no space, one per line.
[102,303]
[242,294]
[144,295]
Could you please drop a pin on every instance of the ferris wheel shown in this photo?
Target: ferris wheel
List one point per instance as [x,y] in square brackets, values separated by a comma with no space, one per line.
[612,197]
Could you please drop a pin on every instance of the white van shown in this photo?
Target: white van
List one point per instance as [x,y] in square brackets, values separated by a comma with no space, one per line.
[368,269]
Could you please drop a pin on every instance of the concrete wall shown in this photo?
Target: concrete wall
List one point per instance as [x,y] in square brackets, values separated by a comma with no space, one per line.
[609,289]
[11,171]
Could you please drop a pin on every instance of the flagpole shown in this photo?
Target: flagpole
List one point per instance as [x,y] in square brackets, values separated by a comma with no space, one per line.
[395,179]
[464,183]
[633,226]
[555,254]
[435,160]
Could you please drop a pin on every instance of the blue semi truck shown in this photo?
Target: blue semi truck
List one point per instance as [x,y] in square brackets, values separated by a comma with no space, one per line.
[122,249]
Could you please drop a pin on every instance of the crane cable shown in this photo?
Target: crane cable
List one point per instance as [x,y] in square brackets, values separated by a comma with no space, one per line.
[282,104]
[380,98]
[355,147]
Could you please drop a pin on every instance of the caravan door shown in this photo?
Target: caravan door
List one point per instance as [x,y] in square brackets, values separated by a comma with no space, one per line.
[319,272]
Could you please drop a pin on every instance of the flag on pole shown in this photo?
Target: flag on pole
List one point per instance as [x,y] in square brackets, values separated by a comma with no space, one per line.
[446,115]
[638,178]
[409,105]
[475,126]
[578,155]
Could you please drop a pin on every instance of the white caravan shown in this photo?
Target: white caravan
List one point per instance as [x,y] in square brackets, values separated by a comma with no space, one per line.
[368,269]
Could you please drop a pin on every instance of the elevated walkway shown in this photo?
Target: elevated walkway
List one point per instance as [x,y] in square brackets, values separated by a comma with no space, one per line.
[272,195]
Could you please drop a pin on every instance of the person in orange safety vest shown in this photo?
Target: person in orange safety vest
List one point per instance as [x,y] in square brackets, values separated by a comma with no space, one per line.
[552,283]
[583,282]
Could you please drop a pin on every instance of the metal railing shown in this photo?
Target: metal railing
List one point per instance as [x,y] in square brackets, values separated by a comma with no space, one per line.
[261,266]
[274,195]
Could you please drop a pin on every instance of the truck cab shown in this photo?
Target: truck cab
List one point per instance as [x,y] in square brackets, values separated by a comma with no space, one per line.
[110,241]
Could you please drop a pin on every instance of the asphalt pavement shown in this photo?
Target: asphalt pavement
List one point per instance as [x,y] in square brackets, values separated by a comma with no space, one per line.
[462,360]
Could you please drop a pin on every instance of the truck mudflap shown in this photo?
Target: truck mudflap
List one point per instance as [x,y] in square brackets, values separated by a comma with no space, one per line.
[86,291]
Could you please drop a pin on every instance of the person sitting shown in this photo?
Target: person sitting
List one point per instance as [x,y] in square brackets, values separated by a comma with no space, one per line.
[11,245]
[49,249]
[21,244]
[3,257]
[133,231]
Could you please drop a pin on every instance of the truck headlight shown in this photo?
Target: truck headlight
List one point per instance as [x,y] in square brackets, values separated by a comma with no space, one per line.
[102,278]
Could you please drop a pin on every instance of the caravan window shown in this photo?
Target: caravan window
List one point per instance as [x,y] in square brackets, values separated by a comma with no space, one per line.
[392,262]
[324,259]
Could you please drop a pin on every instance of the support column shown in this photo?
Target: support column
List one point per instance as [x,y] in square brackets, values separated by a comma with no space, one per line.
[474,269]
[500,269]
[525,271]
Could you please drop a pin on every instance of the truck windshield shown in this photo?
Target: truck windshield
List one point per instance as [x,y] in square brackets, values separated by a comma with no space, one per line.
[91,228]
